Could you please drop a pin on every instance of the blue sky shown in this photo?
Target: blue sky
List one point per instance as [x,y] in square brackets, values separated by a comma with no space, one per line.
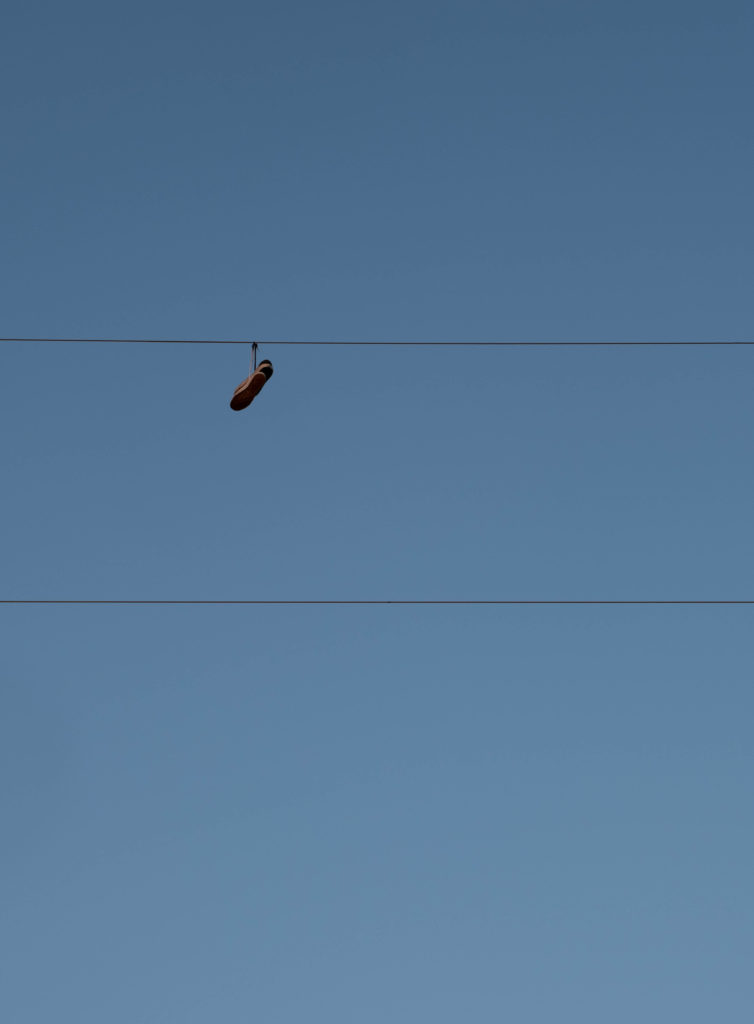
[370,814]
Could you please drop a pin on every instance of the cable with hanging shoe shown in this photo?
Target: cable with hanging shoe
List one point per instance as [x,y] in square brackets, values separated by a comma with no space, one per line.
[652,343]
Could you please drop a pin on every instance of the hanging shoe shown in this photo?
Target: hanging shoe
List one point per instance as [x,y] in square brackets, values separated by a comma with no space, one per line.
[248,390]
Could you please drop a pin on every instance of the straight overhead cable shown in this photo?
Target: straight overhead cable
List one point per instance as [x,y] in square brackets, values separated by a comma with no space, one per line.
[405,344]
[377,601]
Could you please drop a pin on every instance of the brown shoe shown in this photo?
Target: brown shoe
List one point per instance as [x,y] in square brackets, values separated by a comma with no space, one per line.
[247,391]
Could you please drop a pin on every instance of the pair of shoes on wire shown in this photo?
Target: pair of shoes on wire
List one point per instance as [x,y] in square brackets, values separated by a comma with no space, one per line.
[248,390]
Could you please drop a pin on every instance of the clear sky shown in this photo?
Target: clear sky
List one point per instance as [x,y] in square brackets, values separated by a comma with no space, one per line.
[376,815]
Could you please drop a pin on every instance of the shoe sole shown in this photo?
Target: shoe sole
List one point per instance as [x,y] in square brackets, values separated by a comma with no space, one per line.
[246,392]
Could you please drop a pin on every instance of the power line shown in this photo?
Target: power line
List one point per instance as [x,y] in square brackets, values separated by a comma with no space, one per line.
[394,344]
[379,601]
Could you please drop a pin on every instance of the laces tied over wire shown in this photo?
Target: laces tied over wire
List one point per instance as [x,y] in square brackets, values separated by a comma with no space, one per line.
[253,363]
